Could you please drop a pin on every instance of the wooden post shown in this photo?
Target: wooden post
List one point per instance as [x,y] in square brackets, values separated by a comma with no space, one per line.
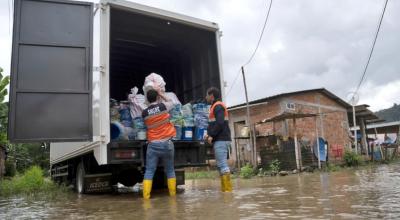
[237,153]
[321,122]
[355,129]
[323,134]
[385,149]
[316,131]
[372,152]
[296,146]
[364,143]
[255,146]
[252,132]
[312,153]
[376,137]
[398,136]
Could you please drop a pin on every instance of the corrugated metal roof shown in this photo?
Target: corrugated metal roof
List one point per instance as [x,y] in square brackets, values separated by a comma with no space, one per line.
[321,90]
[287,115]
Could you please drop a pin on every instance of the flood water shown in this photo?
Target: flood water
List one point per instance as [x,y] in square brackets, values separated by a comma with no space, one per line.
[368,193]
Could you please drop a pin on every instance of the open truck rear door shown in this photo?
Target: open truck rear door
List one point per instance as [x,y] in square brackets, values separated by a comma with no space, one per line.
[51,71]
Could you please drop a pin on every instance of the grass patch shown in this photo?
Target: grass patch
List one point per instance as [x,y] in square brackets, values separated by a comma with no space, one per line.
[201,175]
[31,183]
[212,174]
[333,167]
[275,166]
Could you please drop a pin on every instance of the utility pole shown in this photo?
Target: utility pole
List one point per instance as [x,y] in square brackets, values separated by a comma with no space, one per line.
[252,133]
[355,128]
[353,101]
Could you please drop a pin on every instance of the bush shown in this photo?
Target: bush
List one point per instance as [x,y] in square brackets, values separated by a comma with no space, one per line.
[352,159]
[32,182]
[10,168]
[275,166]
[247,171]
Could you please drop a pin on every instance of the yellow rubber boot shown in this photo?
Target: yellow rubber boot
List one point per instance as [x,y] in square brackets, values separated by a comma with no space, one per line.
[172,186]
[147,184]
[222,184]
[226,183]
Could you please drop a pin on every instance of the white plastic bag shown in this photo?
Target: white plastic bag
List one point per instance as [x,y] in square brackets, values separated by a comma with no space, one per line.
[173,98]
[137,103]
[153,81]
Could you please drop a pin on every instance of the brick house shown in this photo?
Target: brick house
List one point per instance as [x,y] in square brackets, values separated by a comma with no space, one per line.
[330,120]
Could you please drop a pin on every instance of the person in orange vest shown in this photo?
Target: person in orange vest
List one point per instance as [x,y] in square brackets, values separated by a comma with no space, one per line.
[160,131]
[219,134]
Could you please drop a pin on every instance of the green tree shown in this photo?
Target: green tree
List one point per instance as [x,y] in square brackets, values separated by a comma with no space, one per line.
[20,156]
[4,81]
[25,156]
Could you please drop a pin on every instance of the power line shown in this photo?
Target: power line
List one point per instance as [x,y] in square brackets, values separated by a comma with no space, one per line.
[234,81]
[262,33]
[255,50]
[372,49]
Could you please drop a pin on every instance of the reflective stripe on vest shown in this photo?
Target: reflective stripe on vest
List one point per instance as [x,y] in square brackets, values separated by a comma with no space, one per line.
[212,116]
[158,125]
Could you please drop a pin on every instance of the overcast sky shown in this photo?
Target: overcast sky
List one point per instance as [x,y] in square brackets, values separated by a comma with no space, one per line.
[307,44]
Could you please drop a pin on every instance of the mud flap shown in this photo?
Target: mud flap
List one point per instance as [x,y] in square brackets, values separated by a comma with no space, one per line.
[98,183]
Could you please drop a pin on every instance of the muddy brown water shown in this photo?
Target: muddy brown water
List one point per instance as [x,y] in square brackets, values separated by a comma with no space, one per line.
[368,193]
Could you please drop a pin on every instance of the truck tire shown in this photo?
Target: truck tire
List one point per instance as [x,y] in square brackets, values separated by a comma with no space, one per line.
[80,179]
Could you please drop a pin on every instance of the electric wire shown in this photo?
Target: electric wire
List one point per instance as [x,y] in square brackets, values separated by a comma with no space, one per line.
[372,49]
[255,50]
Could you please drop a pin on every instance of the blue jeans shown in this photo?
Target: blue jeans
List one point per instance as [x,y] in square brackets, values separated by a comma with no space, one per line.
[221,153]
[155,152]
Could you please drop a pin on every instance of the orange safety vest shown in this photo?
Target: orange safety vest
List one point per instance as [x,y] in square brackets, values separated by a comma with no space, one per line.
[156,118]
[212,116]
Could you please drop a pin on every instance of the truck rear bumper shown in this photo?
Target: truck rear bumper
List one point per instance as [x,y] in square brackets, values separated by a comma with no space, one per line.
[187,153]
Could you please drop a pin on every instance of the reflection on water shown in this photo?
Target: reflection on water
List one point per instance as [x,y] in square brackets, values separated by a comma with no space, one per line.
[366,193]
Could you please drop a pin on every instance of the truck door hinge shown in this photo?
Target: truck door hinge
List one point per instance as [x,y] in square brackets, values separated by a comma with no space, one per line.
[100,69]
[103,138]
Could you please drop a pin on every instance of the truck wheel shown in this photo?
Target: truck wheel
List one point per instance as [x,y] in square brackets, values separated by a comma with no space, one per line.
[80,179]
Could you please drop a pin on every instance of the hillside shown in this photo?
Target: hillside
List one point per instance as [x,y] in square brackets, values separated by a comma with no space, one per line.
[390,114]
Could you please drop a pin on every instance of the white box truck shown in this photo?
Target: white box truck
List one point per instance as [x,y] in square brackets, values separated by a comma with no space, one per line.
[70,57]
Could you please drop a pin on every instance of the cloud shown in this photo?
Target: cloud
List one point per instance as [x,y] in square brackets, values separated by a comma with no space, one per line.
[307,44]
[5,36]
[380,96]
[326,44]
